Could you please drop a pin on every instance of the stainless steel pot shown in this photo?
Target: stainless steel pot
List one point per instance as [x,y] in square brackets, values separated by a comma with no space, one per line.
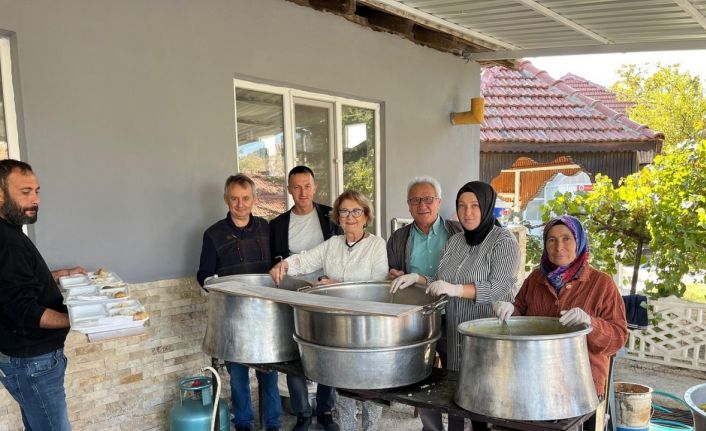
[534,368]
[341,329]
[250,330]
[695,397]
[376,368]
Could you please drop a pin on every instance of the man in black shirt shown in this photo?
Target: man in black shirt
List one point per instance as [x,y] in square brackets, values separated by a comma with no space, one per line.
[304,226]
[240,244]
[33,319]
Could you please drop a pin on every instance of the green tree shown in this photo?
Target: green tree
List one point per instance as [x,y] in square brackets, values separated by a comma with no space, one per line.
[359,162]
[668,101]
[663,206]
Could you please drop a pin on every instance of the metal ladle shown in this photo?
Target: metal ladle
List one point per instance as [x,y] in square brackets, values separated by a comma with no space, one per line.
[505,328]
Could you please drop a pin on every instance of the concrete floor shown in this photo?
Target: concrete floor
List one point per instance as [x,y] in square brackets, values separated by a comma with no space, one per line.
[668,379]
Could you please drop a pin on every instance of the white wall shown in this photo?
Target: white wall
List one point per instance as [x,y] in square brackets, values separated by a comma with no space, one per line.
[128,116]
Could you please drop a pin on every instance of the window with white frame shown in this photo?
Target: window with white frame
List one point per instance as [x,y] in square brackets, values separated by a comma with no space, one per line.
[9,145]
[278,128]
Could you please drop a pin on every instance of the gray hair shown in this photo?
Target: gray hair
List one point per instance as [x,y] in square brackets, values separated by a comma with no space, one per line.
[242,180]
[425,180]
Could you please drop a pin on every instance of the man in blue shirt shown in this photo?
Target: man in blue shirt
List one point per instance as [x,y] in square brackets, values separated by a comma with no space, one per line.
[415,250]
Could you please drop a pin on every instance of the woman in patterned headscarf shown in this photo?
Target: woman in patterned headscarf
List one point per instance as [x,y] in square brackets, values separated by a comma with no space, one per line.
[567,286]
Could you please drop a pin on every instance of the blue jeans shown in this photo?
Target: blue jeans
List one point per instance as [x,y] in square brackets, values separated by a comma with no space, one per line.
[37,384]
[240,396]
[299,397]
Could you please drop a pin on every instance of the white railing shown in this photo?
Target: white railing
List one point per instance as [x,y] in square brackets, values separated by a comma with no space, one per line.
[678,339]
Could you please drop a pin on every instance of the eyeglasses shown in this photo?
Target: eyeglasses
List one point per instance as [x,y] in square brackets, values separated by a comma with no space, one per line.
[428,200]
[355,213]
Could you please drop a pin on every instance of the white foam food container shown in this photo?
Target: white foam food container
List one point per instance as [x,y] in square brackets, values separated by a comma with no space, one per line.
[108,279]
[90,294]
[76,280]
[93,318]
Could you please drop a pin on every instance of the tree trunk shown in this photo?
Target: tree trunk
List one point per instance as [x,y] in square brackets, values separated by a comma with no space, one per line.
[636,265]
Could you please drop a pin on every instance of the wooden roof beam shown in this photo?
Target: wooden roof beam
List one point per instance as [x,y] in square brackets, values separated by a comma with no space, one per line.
[692,11]
[345,7]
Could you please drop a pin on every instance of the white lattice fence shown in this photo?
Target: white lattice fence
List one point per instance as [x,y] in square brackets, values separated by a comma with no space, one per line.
[678,340]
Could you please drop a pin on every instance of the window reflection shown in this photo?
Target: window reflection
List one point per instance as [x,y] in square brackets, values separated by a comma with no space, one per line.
[261,147]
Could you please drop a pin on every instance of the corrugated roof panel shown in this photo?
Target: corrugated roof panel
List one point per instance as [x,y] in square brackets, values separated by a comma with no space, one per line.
[567,26]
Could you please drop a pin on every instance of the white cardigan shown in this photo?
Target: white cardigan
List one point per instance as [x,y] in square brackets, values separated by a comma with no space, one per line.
[365,261]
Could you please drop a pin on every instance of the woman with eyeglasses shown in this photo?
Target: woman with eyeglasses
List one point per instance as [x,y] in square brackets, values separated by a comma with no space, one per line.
[354,256]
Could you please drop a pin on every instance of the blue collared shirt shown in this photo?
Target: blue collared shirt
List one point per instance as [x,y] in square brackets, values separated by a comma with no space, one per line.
[426,249]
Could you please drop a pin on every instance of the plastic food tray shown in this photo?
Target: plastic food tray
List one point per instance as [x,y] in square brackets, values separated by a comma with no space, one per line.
[110,278]
[90,294]
[72,281]
[105,317]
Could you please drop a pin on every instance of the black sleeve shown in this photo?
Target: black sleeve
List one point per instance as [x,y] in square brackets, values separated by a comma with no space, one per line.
[208,261]
[276,243]
[395,257]
[20,288]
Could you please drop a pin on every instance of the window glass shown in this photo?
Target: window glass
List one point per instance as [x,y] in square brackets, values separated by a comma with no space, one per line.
[313,145]
[359,151]
[279,128]
[3,128]
[260,128]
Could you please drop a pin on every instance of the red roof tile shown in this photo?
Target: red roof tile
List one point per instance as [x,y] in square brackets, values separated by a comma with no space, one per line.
[596,92]
[529,106]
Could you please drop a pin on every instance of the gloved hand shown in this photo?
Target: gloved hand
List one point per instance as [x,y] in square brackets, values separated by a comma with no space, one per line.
[503,310]
[403,281]
[441,287]
[574,317]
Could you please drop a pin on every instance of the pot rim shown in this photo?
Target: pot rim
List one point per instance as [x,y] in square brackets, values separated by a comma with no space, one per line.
[297,283]
[690,401]
[365,349]
[437,303]
[584,329]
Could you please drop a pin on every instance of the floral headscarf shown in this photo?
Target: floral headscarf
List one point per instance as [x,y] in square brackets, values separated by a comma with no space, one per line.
[558,276]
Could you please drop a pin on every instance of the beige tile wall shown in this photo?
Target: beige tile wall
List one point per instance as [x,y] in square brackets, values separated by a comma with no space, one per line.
[129,383]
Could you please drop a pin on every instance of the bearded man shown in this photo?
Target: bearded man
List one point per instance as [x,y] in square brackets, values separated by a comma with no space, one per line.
[33,319]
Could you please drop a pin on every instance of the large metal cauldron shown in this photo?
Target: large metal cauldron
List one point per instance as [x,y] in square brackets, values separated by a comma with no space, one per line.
[534,368]
[343,329]
[354,351]
[250,330]
[695,397]
[378,368]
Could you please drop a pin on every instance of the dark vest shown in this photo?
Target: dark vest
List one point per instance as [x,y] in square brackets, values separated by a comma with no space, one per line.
[238,256]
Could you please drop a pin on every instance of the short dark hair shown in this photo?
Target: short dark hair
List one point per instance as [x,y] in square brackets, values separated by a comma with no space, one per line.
[242,180]
[301,169]
[9,165]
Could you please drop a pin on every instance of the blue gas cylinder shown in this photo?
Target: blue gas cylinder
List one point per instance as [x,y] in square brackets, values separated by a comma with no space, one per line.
[195,408]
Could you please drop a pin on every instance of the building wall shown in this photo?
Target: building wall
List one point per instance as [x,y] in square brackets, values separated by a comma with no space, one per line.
[127,115]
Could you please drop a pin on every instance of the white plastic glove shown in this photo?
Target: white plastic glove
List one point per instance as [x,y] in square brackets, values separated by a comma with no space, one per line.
[441,287]
[574,317]
[503,310]
[403,281]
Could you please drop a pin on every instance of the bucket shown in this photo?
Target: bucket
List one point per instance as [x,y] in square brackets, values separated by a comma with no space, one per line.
[633,406]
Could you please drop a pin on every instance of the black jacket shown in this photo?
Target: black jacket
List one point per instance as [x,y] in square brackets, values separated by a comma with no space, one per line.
[279,231]
[26,290]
